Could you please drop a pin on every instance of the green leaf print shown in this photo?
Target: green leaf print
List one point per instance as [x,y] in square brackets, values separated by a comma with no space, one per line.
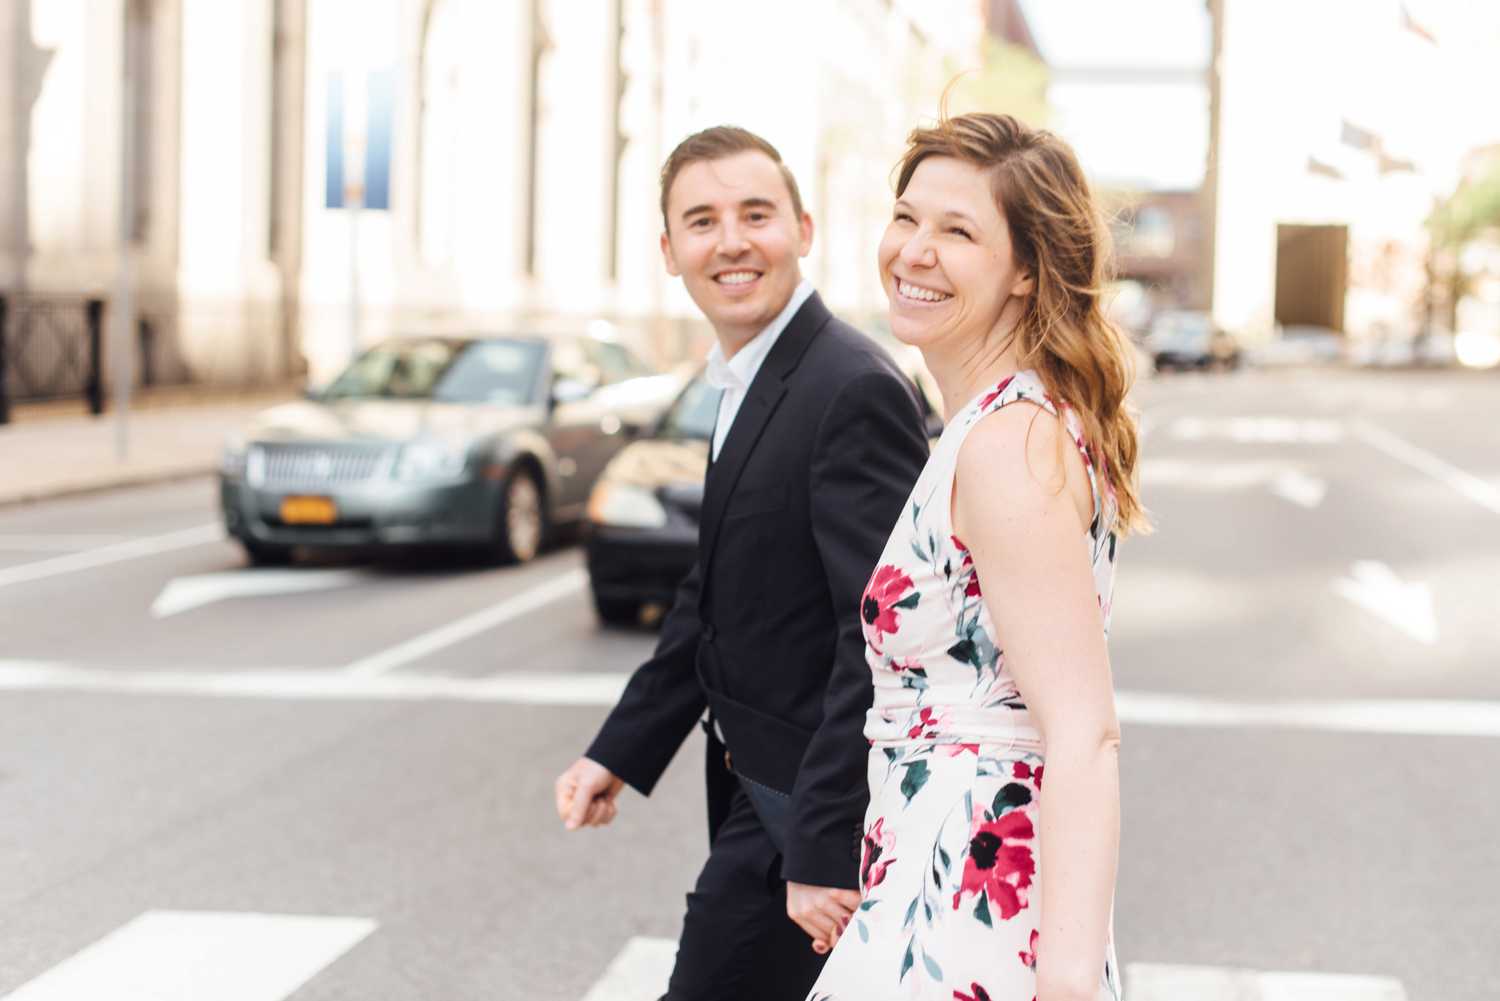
[982,911]
[865,905]
[946,860]
[917,775]
[911,913]
[935,970]
[1010,796]
[910,601]
[864,933]
[963,651]
[906,961]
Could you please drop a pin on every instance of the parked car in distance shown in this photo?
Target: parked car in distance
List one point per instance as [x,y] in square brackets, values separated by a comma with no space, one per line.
[641,529]
[1187,339]
[475,442]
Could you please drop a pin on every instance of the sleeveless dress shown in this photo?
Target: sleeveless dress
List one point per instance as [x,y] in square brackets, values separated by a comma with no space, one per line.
[950,872]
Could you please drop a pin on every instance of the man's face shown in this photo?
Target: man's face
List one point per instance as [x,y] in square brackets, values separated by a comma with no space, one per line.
[735,240]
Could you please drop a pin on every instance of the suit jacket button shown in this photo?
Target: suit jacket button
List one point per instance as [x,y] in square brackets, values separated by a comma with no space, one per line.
[708,633]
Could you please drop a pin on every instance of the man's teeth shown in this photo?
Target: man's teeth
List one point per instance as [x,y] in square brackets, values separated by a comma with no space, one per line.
[737,277]
[918,292]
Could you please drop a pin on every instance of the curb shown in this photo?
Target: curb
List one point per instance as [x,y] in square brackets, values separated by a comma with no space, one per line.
[141,478]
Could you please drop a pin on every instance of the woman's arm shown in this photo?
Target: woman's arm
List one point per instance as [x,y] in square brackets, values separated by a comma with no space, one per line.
[1018,505]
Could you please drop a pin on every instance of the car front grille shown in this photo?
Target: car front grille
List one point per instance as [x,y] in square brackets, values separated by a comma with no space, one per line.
[306,464]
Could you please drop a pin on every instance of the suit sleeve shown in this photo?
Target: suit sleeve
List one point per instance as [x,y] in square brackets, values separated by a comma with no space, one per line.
[869,451]
[662,701]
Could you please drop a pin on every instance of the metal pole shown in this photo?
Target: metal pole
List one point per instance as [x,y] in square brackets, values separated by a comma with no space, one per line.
[4,394]
[122,315]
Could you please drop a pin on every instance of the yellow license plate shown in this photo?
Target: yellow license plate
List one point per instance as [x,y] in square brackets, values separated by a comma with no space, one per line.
[308,511]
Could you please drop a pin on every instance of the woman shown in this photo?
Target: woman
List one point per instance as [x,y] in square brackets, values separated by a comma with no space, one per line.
[975,885]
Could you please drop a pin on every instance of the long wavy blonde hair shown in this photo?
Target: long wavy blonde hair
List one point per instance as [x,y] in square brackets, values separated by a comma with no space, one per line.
[1059,235]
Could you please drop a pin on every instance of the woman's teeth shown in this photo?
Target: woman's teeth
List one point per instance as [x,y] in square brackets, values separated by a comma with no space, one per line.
[918,292]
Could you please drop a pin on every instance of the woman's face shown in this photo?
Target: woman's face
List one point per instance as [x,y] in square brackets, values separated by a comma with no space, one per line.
[946,260]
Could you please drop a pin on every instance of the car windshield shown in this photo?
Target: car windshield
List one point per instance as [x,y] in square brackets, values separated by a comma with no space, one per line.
[447,371]
[1184,329]
[694,413]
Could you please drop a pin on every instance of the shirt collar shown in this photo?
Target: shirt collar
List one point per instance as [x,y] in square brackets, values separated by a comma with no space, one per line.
[738,372]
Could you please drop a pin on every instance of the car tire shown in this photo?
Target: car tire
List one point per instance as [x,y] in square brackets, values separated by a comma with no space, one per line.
[266,554]
[617,611]
[522,522]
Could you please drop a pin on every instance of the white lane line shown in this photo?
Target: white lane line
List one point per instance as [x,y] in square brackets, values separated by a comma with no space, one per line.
[1408,717]
[197,956]
[38,542]
[186,593]
[469,626]
[1420,717]
[639,973]
[1299,488]
[151,545]
[1259,430]
[313,684]
[1165,982]
[1484,494]
[1406,605]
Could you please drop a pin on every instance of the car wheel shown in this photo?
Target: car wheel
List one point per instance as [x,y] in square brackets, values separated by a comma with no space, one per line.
[617,611]
[523,521]
[266,554]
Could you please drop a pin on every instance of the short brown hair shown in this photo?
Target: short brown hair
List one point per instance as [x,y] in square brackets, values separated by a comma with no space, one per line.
[717,143]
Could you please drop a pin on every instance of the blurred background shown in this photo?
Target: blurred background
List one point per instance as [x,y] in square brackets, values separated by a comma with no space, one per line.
[352,435]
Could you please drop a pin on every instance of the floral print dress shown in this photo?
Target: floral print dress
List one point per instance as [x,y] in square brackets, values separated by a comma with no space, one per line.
[950,873]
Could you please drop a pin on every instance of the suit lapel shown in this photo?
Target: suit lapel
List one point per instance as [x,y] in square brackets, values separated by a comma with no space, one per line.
[761,400]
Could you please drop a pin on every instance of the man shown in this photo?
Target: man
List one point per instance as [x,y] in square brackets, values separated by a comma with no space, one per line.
[817,445]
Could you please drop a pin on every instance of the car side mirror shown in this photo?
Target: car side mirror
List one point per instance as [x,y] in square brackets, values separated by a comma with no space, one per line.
[569,390]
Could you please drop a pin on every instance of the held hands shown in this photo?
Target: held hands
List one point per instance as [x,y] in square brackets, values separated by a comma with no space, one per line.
[821,911]
[586,794]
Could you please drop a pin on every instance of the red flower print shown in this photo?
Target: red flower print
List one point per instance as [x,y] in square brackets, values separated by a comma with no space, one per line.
[992,397]
[971,586]
[980,994]
[1029,958]
[886,593]
[927,725]
[998,865]
[954,750]
[878,845]
[1022,770]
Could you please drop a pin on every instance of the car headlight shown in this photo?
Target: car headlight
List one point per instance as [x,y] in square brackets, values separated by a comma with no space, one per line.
[431,460]
[233,458]
[625,505]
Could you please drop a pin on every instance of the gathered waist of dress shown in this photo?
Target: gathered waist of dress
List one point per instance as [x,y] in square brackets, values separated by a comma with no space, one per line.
[888,726]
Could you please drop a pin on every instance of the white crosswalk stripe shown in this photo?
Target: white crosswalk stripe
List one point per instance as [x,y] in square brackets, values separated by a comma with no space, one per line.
[200,956]
[640,971]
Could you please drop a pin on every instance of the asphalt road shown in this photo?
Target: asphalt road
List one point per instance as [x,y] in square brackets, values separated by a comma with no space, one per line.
[1305,651]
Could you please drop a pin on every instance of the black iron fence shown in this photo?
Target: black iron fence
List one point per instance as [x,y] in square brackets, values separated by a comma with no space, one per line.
[54,348]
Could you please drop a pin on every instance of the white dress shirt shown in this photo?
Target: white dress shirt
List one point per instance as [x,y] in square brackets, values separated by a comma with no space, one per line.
[734,376]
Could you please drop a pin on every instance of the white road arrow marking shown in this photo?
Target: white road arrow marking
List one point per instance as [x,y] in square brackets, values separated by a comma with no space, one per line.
[1163,982]
[194,956]
[1299,488]
[1375,587]
[185,593]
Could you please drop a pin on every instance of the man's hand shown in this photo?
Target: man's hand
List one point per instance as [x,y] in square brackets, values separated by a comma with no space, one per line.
[586,794]
[821,911]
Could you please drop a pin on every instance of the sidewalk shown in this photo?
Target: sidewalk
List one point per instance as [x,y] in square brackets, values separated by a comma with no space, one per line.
[58,449]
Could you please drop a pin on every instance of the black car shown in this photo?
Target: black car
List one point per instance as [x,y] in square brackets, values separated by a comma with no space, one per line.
[641,529]
[479,442]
